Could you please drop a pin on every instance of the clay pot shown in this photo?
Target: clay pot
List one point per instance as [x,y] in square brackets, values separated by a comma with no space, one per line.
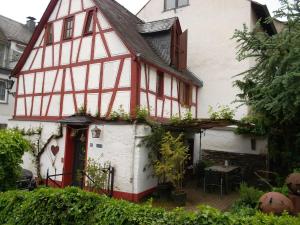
[293,183]
[274,202]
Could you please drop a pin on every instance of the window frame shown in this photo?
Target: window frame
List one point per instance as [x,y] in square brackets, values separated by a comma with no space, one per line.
[160,84]
[90,17]
[185,98]
[176,5]
[5,101]
[49,32]
[66,29]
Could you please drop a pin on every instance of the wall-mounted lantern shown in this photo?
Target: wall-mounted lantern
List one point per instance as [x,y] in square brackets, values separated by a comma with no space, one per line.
[9,85]
[96,132]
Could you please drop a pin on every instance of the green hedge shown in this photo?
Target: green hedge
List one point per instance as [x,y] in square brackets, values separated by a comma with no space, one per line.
[73,206]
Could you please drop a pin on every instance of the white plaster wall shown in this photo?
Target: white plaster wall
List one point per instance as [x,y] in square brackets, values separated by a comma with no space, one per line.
[48,160]
[211,52]
[223,140]
[119,147]
[212,57]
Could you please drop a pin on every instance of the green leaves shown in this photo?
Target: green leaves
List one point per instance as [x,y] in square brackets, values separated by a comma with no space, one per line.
[171,163]
[272,86]
[72,206]
[12,147]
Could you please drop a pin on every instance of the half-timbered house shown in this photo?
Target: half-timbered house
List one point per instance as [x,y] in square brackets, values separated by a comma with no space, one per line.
[97,56]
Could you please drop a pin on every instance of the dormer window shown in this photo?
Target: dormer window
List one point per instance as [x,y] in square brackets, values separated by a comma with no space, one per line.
[174,4]
[160,84]
[49,34]
[68,27]
[88,28]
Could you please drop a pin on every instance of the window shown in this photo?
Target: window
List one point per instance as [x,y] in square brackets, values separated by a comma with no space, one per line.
[88,29]
[49,34]
[3,92]
[2,51]
[173,4]
[184,94]
[160,84]
[68,27]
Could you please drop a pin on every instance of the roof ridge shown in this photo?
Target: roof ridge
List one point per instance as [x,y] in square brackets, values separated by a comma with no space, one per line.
[174,17]
[13,20]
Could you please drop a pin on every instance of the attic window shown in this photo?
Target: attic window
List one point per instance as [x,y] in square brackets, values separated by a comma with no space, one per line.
[88,28]
[160,84]
[174,4]
[49,34]
[185,94]
[68,27]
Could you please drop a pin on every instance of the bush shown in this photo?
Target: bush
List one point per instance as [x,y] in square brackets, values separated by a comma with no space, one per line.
[249,196]
[12,147]
[73,206]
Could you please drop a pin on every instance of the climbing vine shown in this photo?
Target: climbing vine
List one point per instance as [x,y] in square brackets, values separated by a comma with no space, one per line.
[38,147]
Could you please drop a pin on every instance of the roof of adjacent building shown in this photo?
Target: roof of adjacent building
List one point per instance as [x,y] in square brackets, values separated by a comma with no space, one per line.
[11,30]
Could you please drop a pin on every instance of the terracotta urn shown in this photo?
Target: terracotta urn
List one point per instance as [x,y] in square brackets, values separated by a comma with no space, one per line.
[293,183]
[274,202]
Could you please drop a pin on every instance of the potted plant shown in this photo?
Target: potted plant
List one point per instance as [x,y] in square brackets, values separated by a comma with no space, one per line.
[175,156]
[158,161]
[162,166]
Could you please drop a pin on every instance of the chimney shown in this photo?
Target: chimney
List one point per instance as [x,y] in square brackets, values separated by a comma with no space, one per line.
[30,24]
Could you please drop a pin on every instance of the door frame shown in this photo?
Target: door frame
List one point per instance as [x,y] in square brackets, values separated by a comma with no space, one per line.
[69,155]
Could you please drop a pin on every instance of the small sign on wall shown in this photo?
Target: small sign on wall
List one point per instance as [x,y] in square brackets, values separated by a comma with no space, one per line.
[99,146]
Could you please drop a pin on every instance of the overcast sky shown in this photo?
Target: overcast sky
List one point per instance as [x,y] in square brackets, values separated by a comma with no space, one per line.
[20,9]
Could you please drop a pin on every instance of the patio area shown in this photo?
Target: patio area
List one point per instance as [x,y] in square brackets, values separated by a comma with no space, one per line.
[196,196]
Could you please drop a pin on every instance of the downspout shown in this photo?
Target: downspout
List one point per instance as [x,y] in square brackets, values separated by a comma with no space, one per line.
[132,179]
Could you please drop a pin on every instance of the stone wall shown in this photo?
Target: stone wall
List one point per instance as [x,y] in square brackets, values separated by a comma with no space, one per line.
[248,163]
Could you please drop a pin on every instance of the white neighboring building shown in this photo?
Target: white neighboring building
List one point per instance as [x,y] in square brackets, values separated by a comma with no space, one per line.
[212,56]
[14,37]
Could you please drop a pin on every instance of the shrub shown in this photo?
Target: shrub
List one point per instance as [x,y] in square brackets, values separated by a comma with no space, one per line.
[222,113]
[249,196]
[12,147]
[72,206]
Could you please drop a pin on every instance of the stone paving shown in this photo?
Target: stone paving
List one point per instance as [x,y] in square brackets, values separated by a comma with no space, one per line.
[196,196]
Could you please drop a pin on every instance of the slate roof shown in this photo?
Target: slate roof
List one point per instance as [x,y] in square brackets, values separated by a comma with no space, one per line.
[14,30]
[128,26]
[156,26]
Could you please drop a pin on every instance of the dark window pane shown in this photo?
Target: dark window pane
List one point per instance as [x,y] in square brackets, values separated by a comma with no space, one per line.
[89,23]
[183,2]
[2,91]
[68,29]
[49,33]
[160,84]
[170,4]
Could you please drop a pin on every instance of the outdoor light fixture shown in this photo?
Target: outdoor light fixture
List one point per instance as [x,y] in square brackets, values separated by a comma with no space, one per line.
[96,132]
[9,86]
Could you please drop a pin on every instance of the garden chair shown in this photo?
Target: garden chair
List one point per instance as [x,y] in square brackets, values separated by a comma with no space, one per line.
[236,178]
[213,179]
[266,179]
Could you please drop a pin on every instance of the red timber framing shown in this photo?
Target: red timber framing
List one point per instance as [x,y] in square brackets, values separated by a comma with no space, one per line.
[63,69]
[173,99]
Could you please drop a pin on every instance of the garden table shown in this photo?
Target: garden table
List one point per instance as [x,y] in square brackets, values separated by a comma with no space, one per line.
[226,172]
